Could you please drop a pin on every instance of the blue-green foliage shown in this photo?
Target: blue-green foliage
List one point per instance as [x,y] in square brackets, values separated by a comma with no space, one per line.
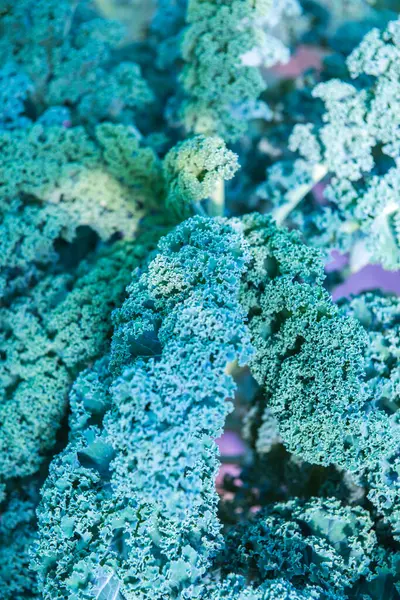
[167,27]
[47,335]
[216,79]
[357,145]
[17,533]
[339,542]
[379,463]
[61,192]
[145,462]
[214,50]
[65,49]
[192,171]
[71,187]
[146,466]
[148,374]
[235,587]
[309,358]
[330,380]
[14,90]
[379,315]
[56,180]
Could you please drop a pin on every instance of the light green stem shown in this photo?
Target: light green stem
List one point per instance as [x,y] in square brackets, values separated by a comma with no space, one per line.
[294,197]
[217,200]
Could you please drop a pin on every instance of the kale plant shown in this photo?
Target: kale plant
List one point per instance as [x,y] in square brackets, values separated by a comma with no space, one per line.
[353,148]
[159,297]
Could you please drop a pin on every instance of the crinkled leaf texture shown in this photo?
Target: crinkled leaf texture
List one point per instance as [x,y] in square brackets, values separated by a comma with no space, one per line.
[133,494]
[356,144]
[218,83]
[328,375]
[58,53]
[130,508]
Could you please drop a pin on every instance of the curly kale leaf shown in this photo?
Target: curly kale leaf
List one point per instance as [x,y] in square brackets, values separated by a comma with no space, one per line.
[357,145]
[54,181]
[309,358]
[317,543]
[66,51]
[379,314]
[142,455]
[194,170]
[14,91]
[235,587]
[379,462]
[328,376]
[58,327]
[216,79]
[17,535]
